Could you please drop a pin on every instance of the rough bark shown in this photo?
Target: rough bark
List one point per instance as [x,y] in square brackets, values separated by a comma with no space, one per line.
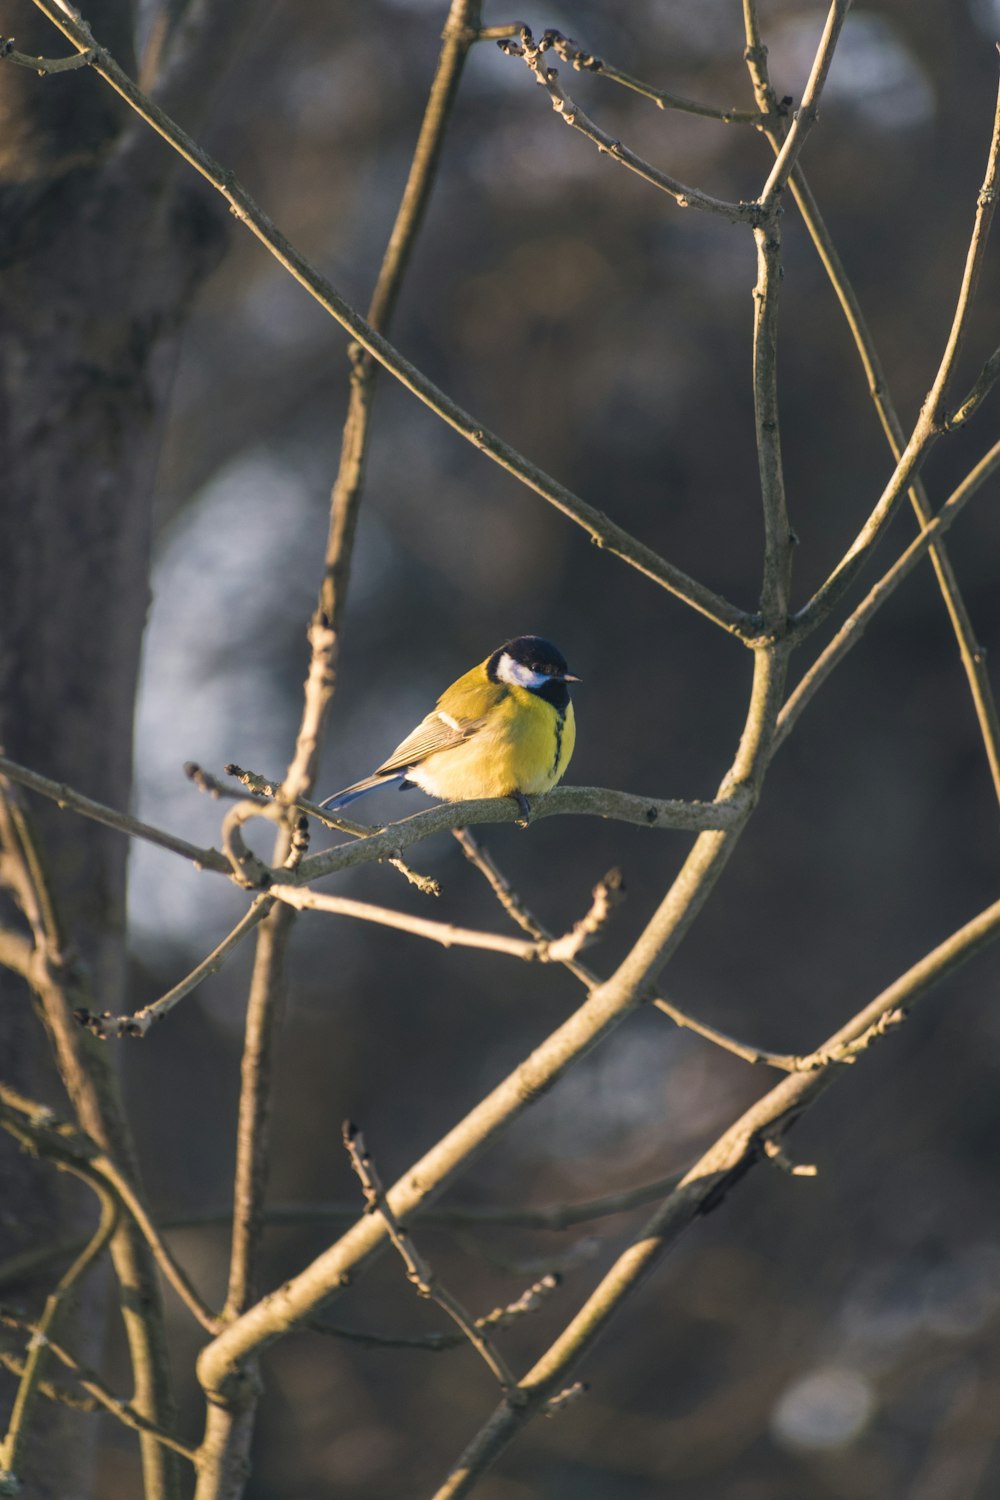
[97,267]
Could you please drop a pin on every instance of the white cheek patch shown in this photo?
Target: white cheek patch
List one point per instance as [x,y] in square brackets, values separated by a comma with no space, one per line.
[518,675]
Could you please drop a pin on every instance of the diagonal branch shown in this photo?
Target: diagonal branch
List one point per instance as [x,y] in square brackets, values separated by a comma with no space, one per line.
[851,631]
[31,1382]
[585,62]
[605,1008]
[92,1383]
[571,113]
[105,1024]
[604,532]
[705,1186]
[772,125]
[932,420]
[58,791]
[34,1126]
[418,1272]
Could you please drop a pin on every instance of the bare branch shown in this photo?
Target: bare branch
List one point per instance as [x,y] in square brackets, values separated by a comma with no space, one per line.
[853,628]
[808,111]
[586,62]
[137,1024]
[973,657]
[31,1381]
[573,115]
[932,419]
[604,532]
[607,893]
[92,1383]
[702,1188]
[500,1317]
[983,384]
[37,1129]
[57,791]
[44,66]
[417,1269]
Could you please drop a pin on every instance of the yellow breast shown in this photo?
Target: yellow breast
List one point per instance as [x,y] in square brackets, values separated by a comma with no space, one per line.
[524,746]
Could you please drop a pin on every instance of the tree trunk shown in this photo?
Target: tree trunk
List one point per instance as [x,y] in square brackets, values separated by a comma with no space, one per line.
[100,251]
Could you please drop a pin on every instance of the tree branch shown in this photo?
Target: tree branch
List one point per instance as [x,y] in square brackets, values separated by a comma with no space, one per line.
[853,628]
[702,1189]
[92,1383]
[37,1130]
[604,532]
[586,62]
[571,113]
[932,419]
[418,1272]
[545,950]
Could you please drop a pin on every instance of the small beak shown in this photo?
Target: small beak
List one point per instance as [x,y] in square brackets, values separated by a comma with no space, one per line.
[571,677]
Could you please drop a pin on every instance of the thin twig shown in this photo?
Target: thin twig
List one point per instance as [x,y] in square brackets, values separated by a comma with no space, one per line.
[706,1184]
[772,124]
[138,1024]
[44,66]
[808,111]
[500,1317]
[267,787]
[604,532]
[417,1269]
[980,389]
[571,113]
[933,415]
[586,62]
[558,950]
[605,1009]
[92,1383]
[58,791]
[853,628]
[518,910]
[37,1129]
[31,1381]
[59,1393]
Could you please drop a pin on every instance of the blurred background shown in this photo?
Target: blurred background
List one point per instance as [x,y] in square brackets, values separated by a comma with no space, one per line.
[835,1337]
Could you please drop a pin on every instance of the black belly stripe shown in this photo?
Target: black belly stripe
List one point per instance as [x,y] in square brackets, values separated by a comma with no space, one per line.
[560,721]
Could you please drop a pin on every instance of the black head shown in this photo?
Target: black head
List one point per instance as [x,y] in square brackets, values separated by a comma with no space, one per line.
[531,662]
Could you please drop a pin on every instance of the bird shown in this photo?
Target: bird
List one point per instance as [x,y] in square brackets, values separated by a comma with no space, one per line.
[504,729]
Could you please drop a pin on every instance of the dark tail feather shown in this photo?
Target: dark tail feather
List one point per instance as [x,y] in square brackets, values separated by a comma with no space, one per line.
[359,789]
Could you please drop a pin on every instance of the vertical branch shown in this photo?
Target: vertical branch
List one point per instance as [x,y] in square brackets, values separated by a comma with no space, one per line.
[971,652]
[89,1080]
[253,1129]
[34,1366]
[229,1429]
[777,537]
[767,235]
[933,418]
[460,31]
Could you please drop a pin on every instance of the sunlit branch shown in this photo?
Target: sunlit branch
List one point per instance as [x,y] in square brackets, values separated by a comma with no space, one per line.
[604,532]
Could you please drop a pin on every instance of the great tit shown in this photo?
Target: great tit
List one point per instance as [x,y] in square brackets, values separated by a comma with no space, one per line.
[505,729]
